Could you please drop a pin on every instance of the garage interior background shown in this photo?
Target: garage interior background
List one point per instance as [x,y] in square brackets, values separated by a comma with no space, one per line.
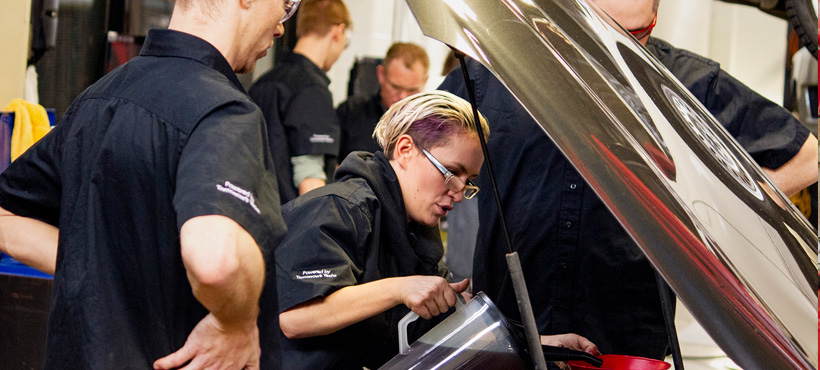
[749,44]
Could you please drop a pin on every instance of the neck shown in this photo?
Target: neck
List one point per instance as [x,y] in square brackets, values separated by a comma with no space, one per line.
[220,29]
[316,49]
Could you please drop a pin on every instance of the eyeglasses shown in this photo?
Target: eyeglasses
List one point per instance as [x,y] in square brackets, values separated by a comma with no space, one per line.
[411,90]
[643,32]
[451,181]
[290,9]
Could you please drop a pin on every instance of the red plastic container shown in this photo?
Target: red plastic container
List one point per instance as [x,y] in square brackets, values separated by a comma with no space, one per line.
[621,362]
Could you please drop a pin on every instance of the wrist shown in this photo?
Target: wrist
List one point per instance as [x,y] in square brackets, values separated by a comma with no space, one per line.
[235,321]
[397,287]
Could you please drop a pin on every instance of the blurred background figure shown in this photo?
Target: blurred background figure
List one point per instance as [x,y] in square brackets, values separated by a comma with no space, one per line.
[402,73]
[303,128]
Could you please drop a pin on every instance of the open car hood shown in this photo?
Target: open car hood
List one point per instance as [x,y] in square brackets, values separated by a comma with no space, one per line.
[730,245]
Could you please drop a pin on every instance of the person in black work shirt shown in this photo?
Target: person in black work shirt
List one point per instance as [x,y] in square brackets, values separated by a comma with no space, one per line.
[590,276]
[296,101]
[152,203]
[403,72]
[366,249]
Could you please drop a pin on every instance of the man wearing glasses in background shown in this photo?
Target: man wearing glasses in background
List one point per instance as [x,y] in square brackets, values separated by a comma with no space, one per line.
[303,128]
[403,72]
[153,203]
[585,273]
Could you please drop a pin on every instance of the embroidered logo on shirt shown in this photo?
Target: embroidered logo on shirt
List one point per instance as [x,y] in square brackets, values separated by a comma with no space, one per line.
[321,138]
[315,274]
[239,193]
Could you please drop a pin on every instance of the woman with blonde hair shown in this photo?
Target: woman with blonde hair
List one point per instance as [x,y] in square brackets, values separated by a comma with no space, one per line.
[364,250]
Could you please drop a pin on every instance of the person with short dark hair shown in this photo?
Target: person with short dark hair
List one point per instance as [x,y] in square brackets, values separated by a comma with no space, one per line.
[403,72]
[153,202]
[302,126]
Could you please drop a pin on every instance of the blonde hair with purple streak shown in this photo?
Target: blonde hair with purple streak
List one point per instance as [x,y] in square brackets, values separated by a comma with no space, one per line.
[430,118]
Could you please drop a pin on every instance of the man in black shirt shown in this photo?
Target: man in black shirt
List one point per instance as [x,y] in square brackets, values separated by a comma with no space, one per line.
[403,72]
[786,153]
[153,203]
[302,126]
[588,275]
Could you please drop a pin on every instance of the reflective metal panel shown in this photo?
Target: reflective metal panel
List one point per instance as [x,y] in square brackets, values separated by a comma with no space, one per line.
[729,243]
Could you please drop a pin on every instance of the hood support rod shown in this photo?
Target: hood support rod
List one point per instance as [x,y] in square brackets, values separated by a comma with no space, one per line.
[513,262]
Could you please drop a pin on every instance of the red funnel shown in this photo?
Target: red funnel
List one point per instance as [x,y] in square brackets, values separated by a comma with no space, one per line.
[620,362]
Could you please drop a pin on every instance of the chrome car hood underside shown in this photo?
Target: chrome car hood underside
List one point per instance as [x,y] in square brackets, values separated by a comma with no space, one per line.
[731,245]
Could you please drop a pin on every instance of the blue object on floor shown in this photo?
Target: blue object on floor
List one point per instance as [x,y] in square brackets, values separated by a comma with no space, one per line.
[11,266]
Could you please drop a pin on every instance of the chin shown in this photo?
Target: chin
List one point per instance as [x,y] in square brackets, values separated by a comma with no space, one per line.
[429,219]
[431,222]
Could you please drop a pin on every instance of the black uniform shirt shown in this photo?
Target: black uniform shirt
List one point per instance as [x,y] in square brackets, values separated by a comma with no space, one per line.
[298,108]
[351,232]
[767,131]
[585,274]
[358,117]
[168,136]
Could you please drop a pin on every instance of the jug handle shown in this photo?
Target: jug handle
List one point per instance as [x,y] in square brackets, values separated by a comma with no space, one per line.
[404,347]
[406,320]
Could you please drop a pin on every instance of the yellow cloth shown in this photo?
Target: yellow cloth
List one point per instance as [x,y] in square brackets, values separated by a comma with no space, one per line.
[802,201]
[30,124]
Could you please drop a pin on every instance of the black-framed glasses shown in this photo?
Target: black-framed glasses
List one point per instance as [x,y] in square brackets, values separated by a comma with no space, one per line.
[290,9]
[643,32]
[451,181]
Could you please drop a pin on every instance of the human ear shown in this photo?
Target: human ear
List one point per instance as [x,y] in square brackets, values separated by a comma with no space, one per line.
[380,74]
[403,150]
[339,31]
[245,4]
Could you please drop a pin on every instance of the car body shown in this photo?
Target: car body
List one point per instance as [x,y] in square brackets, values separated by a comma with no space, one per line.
[728,242]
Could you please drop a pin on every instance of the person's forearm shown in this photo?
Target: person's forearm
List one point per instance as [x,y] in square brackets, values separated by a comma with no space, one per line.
[799,172]
[30,241]
[308,172]
[342,308]
[309,184]
[225,267]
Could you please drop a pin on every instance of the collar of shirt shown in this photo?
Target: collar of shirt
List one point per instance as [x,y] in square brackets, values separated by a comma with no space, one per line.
[306,64]
[170,43]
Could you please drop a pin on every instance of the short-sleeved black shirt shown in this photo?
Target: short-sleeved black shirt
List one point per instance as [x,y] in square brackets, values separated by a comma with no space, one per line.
[358,117]
[767,131]
[298,108]
[353,231]
[585,274]
[168,136]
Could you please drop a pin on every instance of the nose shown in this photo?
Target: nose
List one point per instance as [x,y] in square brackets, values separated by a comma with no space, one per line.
[457,196]
[279,31]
